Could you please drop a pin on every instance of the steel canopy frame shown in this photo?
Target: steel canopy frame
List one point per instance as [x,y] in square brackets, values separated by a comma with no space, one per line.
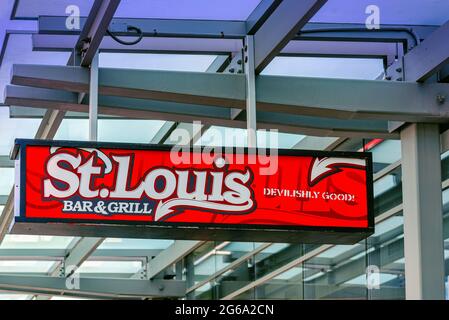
[318,97]
[148,109]
[223,40]
[426,59]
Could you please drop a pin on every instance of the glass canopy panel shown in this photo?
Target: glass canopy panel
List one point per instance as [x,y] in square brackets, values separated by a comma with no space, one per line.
[235,137]
[116,243]
[6,181]
[361,280]
[198,9]
[116,267]
[161,9]
[73,129]
[112,130]
[10,129]
[387,152]
[138,131]
[335,251]
[402,12]
[341,68]
[18,266]
[68,298]
[385,184]
[287,285]
[175,62]
[390,228]
[31,9]
[35,242]
[14,296]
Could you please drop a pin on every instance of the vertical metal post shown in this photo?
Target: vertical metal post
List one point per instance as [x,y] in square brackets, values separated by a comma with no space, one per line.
[250,92]
[190,275]
[422,207]
[93,100]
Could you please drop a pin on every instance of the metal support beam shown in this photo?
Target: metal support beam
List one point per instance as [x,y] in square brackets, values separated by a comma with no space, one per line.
[144,109]
[93,287]
[321,97]
[219,64]
[426,59]
[44,42]
[164,132]
[209,29]
[220,29]
[50,124]
[5,162]
[251,124]
[422,206]
[97,23]
[317,143]
[260,14]
[80,252]
[56,254]
[444,74]
[280,27]
[215,89]
[422,62]
[3,200]
[93,99]
[178,250]
[353,99]
[343,49]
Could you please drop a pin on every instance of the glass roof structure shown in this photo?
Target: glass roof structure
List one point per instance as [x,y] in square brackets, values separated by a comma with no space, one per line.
[329,45]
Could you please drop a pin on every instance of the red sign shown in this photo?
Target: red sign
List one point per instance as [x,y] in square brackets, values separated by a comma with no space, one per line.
[295,194]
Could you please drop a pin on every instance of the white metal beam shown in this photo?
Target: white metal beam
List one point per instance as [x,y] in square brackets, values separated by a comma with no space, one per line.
[251,123]
[93,287]
[423,214]
[280,27]
[174,253]
[97,23]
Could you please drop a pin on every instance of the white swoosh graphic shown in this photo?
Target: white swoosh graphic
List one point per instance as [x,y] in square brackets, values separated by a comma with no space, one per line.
[164,209]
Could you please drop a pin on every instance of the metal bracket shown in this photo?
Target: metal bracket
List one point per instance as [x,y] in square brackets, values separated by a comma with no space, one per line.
[143,272]
[236,65]
[61,269]
[396,71]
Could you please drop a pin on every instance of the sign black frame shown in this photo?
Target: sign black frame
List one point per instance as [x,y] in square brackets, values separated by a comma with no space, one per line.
[185,231]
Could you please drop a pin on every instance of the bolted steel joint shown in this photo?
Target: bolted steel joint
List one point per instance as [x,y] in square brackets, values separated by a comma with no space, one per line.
[441,99]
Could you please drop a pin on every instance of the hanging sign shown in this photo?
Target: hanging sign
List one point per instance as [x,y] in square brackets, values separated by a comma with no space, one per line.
[143,191]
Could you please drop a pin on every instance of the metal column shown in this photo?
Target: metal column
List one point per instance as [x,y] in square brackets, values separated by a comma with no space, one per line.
[190,275]
[93,100]
[422,206]
[250,92]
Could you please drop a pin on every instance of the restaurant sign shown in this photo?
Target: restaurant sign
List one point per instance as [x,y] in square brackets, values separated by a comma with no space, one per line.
[143,191]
